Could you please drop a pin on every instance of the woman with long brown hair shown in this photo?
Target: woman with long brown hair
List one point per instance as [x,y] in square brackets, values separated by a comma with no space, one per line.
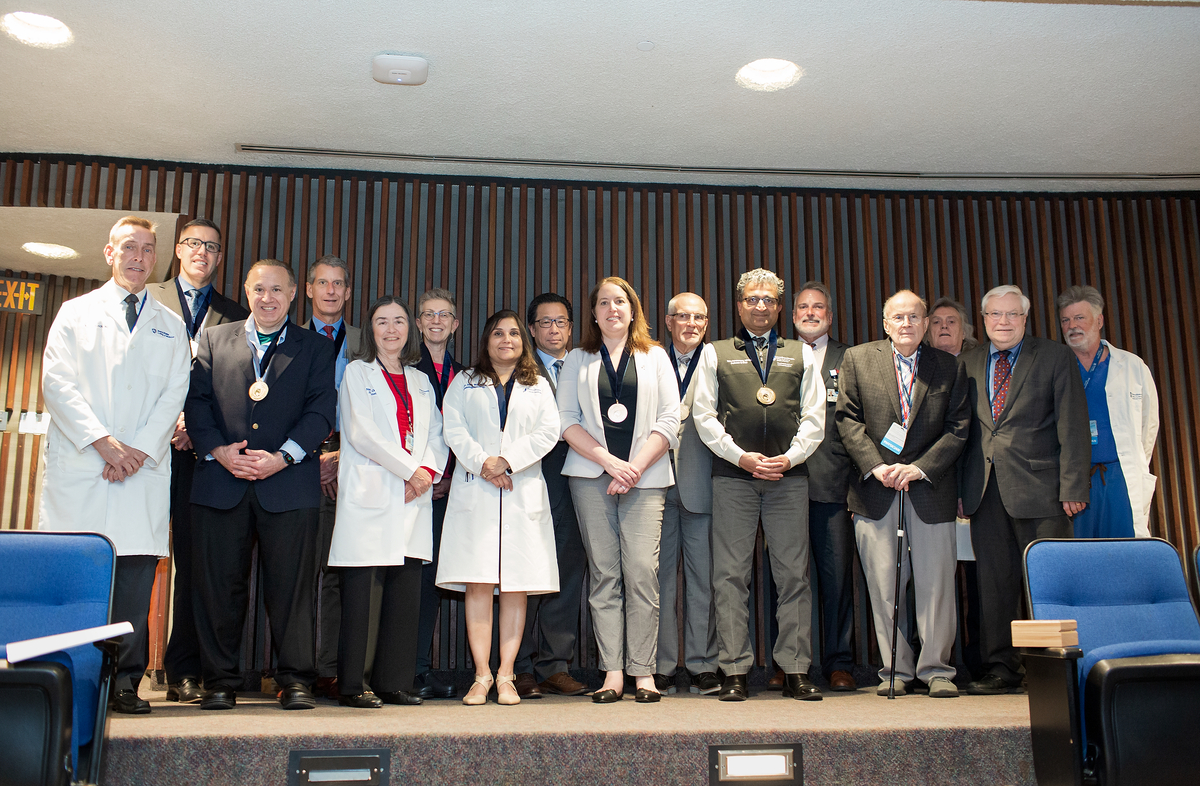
[619,405]
[500,419]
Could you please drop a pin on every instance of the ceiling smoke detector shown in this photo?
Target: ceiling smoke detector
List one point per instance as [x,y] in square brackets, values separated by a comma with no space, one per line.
[399,70]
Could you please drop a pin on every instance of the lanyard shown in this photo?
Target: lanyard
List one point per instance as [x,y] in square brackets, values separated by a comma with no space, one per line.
[442,381]
[752,351]
[403,396]
[616,377]
[687,378]
[906,394]
[503,396]
[1087,377]
[264,363]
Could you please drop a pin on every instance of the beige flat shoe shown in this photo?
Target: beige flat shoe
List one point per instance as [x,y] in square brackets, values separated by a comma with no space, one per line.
[506,698]
[475,699]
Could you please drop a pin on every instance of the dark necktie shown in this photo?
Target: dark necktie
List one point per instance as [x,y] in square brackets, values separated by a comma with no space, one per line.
[131,311]
[558,364]
[329,331]
[193,296]
[760,343]
[1000,376]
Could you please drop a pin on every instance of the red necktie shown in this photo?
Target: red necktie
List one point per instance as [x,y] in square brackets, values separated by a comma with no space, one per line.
[1000,377]
[328,330]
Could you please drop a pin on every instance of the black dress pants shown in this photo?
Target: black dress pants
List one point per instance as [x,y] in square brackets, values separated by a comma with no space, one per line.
[381,607]
[133,583]
[999,541]
[431,596]
[222,544]
[182,658]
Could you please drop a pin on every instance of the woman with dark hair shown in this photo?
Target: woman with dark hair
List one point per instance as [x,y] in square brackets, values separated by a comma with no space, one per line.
[500,420]
[392,453]
[618,400]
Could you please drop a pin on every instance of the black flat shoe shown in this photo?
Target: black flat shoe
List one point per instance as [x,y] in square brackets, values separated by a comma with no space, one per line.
[363,701]
[186,691]
[607,696]
[297,696]
[799,686]
[428,686]
[735,688]
[646,696]
[399,697]
[129,703]
[219,699]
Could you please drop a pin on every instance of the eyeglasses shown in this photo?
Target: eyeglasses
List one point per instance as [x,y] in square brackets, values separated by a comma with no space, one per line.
[437,315]
[996,316]
[211,246]
[545,322]
[905,319]
[753,301]
[699,319]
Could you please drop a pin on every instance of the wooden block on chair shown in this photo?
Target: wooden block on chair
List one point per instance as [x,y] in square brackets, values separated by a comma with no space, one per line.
[1044,633]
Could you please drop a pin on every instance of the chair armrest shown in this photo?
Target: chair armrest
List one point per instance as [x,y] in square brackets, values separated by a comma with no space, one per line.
[18,651]
[1053,686]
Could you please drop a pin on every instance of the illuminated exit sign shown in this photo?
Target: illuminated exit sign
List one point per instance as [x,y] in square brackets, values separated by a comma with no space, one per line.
[22,295]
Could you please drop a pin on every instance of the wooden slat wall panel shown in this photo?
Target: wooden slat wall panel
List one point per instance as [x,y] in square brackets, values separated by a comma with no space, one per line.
[496,244]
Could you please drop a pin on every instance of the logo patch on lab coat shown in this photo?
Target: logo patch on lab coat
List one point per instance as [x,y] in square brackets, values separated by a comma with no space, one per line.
[162,333]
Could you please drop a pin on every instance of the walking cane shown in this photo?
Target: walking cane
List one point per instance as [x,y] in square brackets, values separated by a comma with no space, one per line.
[900,531]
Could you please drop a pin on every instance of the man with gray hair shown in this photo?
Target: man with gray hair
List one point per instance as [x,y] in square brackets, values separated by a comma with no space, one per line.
[1122,404]
[949,329]
[1024,469]
[759,407]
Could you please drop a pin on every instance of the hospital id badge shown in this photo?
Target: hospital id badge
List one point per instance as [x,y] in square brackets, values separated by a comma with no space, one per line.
[893,440]
[1095,432]
[831,395]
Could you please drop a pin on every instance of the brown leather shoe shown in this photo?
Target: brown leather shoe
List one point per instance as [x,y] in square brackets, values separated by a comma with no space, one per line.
[563,684]
[527,687]
[842,680]
[776,682]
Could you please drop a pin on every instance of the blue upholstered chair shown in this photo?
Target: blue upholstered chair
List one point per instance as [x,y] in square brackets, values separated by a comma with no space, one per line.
[53,583]
[1124,706]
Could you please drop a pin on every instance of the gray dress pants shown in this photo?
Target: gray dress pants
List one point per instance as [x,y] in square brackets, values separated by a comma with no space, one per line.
[688,536]
[738,504]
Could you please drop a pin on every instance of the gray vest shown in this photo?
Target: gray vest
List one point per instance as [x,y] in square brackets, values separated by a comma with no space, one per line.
[758,428]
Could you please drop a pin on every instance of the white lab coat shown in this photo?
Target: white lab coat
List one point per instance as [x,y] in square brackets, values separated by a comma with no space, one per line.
[1133,411]
[657,410]
[100,380]
[492,536]
[374,526]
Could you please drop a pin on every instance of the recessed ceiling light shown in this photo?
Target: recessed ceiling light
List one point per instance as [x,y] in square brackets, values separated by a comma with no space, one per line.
[51,250]
[769,74]
[36,29]
[645,46]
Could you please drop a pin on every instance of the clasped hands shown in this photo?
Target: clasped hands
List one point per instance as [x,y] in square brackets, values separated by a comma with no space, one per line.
[624,475]
[897,476]
[495,471]
[251,465]
[120,460]
[765,467]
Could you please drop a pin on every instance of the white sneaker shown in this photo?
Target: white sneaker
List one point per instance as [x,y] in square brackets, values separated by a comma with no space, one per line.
[942,688]
[882,690]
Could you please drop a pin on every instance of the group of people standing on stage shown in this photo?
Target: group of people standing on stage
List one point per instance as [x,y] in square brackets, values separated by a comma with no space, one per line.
[373,471]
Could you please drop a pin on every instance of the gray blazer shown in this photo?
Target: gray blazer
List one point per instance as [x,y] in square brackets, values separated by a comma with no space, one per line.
[829,468]
[693,459]
[1041,447]
[869,404]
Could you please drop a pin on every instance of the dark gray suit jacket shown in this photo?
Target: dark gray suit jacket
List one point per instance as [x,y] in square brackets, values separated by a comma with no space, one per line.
[869,404]
[829,469]
[552,462]
[300,406]
[692,460]
[1041,448]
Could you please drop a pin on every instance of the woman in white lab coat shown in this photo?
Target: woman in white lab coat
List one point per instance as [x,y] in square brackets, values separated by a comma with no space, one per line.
[391,454]
[500,420]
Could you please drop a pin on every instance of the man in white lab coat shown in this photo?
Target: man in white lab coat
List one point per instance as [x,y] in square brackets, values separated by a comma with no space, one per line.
[114,377]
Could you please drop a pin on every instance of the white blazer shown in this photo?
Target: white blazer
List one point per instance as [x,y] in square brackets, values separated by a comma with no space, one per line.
[657,410]
[492,536]
[1133,411]
[101,380]
[374,526]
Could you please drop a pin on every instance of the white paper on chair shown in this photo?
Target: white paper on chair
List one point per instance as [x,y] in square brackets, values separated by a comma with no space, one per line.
[962,533]
[44,645]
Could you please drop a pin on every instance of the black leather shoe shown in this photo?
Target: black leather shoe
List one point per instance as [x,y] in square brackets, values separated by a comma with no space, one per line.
[665,684]
[706,683]
[219,699]
[799,686]
[428,686]
[297,696]
[362,701]
[992,685]
[606,696]
[128,702]
[186,691]
[646,696]
[735,688]
[400,697]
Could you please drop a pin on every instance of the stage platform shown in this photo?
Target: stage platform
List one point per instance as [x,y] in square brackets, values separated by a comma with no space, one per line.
[849,738]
